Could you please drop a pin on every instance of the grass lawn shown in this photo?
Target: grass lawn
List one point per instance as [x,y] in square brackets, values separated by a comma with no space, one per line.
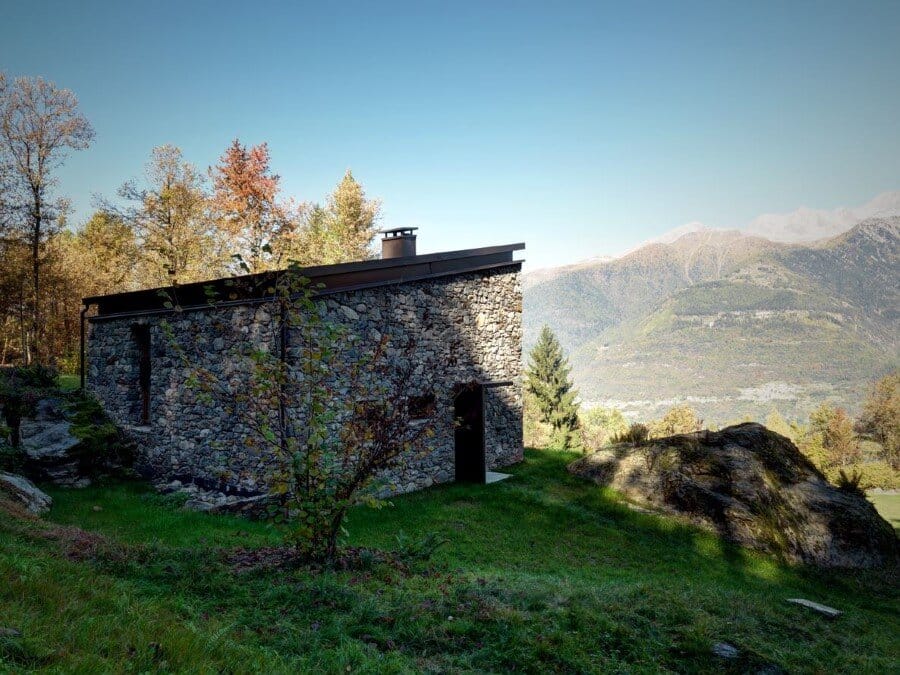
[69,382]
[888,506]
[542,572]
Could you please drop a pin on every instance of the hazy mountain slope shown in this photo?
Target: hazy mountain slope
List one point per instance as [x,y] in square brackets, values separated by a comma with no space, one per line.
[582,301]
[734,324]
[860,266]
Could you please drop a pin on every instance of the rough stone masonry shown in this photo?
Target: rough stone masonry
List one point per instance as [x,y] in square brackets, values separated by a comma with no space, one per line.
[462,311]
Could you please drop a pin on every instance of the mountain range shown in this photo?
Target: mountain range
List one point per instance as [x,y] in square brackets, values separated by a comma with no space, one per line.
[729,321]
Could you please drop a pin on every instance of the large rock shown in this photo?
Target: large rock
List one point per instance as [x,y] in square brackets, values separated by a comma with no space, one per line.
[22,491]
[216,501]
[753,487]
[48,444]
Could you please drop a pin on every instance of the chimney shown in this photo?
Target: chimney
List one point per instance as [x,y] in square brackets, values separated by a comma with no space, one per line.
[399,242]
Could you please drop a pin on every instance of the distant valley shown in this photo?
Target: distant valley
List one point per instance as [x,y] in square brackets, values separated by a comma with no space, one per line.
[732,323]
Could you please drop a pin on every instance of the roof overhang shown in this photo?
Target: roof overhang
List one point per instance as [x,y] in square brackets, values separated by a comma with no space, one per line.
[331,279]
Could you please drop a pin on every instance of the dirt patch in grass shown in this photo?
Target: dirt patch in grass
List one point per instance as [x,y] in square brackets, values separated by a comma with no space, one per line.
[243,560]
[73,543]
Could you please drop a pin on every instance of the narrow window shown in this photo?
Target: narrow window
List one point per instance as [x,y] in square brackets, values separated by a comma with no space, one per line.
[142,343]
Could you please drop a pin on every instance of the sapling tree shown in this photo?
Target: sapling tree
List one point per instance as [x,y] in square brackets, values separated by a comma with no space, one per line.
[334,410]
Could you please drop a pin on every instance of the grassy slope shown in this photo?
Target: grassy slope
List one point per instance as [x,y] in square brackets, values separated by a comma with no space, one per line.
[888,506]
[542,572]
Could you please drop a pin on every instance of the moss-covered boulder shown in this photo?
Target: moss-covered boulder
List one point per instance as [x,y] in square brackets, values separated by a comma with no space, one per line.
[753,487]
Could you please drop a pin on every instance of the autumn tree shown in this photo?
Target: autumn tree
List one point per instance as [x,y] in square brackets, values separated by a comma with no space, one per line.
[169,213]
[39,124]
[881,416]
[15,301]
[102,253]
[775,422]
[353,217]
[600,425]
[835,429]
[680,419]
[548,385]
[340,231]
[245,205]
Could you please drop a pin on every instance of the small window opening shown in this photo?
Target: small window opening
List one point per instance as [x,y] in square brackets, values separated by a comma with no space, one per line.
[421,407]
[142,342]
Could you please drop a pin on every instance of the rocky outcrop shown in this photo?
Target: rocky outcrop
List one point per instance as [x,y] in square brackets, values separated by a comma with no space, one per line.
[753,487]
[24,493]
[49,445]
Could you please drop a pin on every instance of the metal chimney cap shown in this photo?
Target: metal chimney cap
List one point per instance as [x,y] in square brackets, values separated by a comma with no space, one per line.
[399,231]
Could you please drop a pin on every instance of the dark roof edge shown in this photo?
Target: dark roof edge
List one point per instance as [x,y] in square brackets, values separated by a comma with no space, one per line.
[333,278]
[339,268]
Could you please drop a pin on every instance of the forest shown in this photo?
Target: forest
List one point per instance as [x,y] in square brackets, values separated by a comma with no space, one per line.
[170,223]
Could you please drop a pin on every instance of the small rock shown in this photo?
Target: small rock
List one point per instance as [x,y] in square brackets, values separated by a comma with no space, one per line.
[725,650]
[96,508]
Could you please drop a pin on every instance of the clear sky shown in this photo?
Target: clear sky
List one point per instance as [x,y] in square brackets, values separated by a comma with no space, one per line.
[580,128]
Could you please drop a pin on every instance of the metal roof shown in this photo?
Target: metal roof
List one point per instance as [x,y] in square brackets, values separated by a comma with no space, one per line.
[332,278]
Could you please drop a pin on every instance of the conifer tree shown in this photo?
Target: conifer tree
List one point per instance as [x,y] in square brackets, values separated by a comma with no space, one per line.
[547,381]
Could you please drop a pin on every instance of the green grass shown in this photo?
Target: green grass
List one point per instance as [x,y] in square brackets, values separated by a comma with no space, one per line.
[888,506]
[540,573]
[69,382]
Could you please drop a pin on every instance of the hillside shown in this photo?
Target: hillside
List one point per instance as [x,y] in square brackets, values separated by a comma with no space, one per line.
[731,323]
[583,300]
[543,572]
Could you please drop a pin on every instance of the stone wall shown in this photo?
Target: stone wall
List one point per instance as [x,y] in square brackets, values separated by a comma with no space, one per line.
[465,328]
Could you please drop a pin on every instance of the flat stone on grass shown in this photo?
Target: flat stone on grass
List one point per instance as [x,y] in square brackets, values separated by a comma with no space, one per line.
[725,650]
[825,610]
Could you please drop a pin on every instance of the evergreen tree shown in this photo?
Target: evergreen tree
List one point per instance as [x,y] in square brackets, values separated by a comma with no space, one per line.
[547,382]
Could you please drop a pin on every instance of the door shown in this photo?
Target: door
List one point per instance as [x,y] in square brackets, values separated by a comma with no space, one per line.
[469,434]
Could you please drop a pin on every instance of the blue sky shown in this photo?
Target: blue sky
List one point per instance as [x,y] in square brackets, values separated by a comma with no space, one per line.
[580,128]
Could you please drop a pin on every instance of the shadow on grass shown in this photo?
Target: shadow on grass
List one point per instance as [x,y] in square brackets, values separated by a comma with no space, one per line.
[543,571]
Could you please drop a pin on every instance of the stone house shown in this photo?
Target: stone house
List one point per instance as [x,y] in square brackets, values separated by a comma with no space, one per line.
[462,310]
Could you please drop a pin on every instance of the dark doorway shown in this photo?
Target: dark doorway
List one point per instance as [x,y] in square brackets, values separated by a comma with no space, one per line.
[142,342]
[468,410]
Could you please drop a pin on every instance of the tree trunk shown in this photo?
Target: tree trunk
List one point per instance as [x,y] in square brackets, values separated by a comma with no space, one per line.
[36,271]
